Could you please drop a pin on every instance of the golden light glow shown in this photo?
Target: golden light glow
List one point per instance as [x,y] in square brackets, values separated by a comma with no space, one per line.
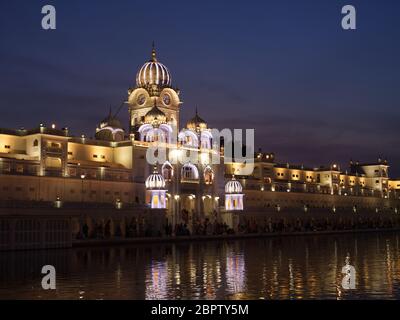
[204,158]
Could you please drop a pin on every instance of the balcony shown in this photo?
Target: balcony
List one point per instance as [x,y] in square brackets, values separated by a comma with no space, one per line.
[56,150]
[192,181]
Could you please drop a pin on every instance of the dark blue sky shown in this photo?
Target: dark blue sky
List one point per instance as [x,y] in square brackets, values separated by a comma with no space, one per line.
[314,92]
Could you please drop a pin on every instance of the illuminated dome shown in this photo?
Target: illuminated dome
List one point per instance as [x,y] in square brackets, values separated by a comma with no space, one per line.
[110,121]
[196,123]
[155,116]
[233,186]
[155,181]
[153,73]
[110,129]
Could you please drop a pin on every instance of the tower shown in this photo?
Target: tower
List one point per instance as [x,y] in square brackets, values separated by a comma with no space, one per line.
[153,90]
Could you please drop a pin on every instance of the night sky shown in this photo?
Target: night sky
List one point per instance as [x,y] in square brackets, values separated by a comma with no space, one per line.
[314,93]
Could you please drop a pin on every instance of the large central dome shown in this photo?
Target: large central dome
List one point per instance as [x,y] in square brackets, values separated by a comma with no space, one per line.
[153,73]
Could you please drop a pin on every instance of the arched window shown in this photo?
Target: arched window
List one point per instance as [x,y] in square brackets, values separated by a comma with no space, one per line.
[145,132]
[35,143]
[206,140]
[208,175]
[188,138]
[150,134]
[189,172]
[167,171]
[165,131]
[119,135]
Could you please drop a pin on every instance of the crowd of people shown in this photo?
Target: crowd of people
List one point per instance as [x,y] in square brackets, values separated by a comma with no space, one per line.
[199,228]
[207,227]
[318,224]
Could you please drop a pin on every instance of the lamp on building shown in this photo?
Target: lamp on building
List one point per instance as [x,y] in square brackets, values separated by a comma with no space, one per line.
[118,204]
[82,178]
[58,203]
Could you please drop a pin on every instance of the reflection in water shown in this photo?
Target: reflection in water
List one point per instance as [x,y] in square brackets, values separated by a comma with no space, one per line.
[306,267]
[156,281]
[235,272]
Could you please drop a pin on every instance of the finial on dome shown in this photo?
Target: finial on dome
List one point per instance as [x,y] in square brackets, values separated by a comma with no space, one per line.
[153,53]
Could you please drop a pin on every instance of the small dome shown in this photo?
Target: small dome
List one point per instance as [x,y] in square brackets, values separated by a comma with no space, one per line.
[155,181]
[233,186]
[110,129]
[155,116]
[153,73]
[111,121]
[196,123]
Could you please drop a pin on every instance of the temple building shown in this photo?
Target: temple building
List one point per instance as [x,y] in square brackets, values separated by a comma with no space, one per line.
[47,164]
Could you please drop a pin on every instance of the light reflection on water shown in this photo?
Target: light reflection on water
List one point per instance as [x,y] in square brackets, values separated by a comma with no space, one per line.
[307,267]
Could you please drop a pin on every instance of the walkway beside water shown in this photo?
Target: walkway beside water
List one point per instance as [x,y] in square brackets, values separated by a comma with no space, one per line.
[144,240]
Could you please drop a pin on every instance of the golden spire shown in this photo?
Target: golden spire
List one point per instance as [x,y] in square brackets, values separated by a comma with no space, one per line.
[153,53]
